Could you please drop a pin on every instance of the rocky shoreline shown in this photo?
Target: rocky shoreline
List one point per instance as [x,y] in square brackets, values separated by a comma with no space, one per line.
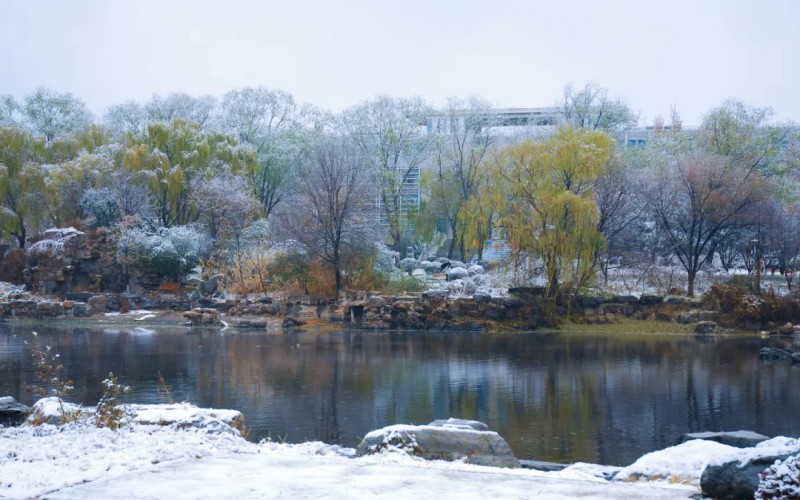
[522,309]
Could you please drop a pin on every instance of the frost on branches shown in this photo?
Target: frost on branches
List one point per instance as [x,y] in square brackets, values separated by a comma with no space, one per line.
[781,480]
[167,251]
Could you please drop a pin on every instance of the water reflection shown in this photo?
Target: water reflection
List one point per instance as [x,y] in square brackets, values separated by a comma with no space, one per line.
[564,397]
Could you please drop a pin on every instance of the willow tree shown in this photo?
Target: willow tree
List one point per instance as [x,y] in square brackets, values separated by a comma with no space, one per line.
[169,157]
[22,186]
[550,212]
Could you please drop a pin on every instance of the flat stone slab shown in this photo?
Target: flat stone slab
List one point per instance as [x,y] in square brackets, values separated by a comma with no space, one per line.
[542,466]
[739,439]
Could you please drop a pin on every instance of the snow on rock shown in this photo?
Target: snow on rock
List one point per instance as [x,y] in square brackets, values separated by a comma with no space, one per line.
[739,439]
[442,440]
[455,273]
[685,462]
[186,415]
[408,264]
[475,270]
[53,241]
[52,410]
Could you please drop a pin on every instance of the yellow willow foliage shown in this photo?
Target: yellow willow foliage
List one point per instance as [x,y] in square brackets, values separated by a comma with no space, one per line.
[169,157]
[480,211]
[549,210]
[22,186]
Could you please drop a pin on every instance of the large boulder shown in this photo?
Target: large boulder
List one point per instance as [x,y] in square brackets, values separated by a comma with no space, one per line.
[736,479]
[12,412]
[738,439]
[443,440]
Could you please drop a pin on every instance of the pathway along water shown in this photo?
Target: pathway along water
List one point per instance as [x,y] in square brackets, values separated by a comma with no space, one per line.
[560,397]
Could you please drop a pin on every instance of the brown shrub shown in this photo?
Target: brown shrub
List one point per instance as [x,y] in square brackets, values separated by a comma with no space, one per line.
[11,266]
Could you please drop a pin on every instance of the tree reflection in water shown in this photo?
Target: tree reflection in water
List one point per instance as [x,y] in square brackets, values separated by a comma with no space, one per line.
[560,397]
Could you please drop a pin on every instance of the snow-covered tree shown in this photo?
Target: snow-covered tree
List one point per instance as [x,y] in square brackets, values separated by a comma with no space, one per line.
[102,206]
[271,123]
[53,115]
[392,137]
[170,252]
[180,106]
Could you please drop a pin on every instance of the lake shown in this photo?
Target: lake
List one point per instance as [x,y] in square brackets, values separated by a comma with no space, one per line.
[562,397]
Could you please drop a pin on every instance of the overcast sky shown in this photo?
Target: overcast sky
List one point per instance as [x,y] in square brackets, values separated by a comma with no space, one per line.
[691,54]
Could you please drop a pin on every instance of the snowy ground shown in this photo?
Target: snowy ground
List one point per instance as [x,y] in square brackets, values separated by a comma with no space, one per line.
[193,453]
[145,461]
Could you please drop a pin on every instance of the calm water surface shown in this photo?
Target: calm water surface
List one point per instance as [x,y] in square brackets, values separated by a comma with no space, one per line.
[561,397]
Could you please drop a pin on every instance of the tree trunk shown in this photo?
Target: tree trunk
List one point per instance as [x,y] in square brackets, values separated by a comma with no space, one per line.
[451,248]
[690,286]
[338,273]
[21,235]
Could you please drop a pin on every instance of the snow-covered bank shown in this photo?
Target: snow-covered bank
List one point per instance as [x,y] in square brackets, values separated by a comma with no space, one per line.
[141,461]
[181,451]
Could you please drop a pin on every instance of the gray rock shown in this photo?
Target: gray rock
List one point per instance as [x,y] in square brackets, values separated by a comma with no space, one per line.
[151,302]
[475,270]
[289,322]
[97,304]
[481,298]
[12,412]
[442,443]
[78,296]
[209,286]
[209,302]
[734,480]
[590,301]
[739,439]
[511,302]
[435,294]
[624,299]
[250,323]
[80,310]
[704,327]
[455,273]
[649,299]
[775,353]
[376,301]
[796,357]
[535,291]
[675,299]
[418,273]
